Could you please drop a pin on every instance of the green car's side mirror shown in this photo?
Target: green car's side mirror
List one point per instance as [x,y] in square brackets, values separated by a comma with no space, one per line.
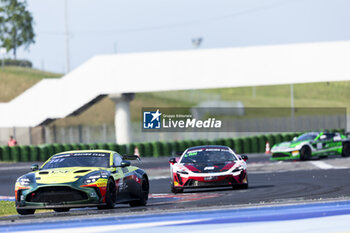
[125,163]
[34,167]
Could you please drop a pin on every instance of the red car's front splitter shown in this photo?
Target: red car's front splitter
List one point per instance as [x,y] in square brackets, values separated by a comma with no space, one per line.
[209,181]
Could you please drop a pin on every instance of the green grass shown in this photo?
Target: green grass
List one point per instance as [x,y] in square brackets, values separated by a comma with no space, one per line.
[8,208]
[331,94]
[15,80]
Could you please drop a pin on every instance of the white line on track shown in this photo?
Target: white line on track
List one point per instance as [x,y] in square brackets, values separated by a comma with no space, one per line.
[15,168]
[113,227]
[322,165]
[158,177]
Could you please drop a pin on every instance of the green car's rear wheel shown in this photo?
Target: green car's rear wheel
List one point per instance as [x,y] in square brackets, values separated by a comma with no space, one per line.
[346,149]
[305,153]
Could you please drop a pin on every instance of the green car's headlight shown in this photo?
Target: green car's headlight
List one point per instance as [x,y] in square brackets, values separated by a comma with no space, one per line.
[296,147]
[92,177]
[24,181]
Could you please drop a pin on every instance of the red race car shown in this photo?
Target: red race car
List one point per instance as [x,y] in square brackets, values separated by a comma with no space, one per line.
[208,166]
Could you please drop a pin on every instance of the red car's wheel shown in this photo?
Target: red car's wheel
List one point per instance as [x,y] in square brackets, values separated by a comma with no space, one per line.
[176,190]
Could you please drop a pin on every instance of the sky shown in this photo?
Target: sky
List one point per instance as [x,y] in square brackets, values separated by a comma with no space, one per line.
[114,26]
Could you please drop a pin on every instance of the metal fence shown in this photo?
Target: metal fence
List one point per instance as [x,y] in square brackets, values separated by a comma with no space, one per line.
[106,133]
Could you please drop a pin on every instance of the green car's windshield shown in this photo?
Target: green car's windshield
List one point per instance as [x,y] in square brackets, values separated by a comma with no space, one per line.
[306,137]
[90,159]
[210,155]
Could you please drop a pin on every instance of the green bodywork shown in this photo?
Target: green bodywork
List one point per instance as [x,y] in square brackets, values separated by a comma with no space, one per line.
[321,144]
[73,178]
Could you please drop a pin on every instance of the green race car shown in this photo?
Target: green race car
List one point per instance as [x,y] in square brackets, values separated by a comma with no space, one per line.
[84,178]
[309,145]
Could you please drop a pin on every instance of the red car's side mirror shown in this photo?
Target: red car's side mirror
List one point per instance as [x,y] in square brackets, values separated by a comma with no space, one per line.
[172,160]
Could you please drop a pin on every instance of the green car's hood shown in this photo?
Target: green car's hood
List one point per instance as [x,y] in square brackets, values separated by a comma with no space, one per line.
[291,144]
[62,175]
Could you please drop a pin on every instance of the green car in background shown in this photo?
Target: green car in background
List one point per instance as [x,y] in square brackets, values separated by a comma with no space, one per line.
[309,145]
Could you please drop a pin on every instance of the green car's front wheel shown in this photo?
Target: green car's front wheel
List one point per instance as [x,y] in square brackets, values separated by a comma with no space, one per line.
[25,211]
[111,194]
[61,210]
[346,149]
[144,191]
[305,153]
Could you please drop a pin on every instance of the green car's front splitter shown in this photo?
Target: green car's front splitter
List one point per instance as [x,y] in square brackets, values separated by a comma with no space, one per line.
[89,197]
[284,156]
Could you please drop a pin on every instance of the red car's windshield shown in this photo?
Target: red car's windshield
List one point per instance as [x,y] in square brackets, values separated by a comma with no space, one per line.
[208,155]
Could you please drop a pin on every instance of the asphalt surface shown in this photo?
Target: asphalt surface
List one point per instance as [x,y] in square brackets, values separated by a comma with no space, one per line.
[269,183]
[9,172]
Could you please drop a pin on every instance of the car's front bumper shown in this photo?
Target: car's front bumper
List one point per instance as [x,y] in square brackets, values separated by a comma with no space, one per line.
[193,181]
[285,155]
[57,196]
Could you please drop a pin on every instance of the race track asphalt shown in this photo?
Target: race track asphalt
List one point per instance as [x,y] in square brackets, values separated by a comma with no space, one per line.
[269,183]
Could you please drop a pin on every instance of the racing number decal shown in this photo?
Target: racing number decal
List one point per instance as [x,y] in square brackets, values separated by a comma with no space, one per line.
[319,146]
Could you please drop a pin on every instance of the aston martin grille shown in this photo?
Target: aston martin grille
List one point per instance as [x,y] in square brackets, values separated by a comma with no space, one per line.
[56,194]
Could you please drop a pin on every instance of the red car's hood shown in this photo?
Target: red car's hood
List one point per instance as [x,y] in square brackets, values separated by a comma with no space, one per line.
[209,167]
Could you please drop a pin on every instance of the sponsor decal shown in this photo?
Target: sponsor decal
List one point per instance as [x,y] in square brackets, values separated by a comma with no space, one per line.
[156,120]
[236,118]
[210,178]
[94,154]
[59,171]
[151,120]
[101,183]
[192,123]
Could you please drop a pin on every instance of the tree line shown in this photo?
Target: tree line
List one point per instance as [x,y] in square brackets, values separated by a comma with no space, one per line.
[16,25]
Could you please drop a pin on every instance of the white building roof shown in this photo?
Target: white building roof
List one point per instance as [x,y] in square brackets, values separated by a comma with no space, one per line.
[177,70]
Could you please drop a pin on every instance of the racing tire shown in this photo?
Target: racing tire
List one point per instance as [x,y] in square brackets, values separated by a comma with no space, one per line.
[25,211]
[245,186]
[240,186]
[111,195]
[144,191]
[305,153]
[176,190]
[346,149]
[59,210]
